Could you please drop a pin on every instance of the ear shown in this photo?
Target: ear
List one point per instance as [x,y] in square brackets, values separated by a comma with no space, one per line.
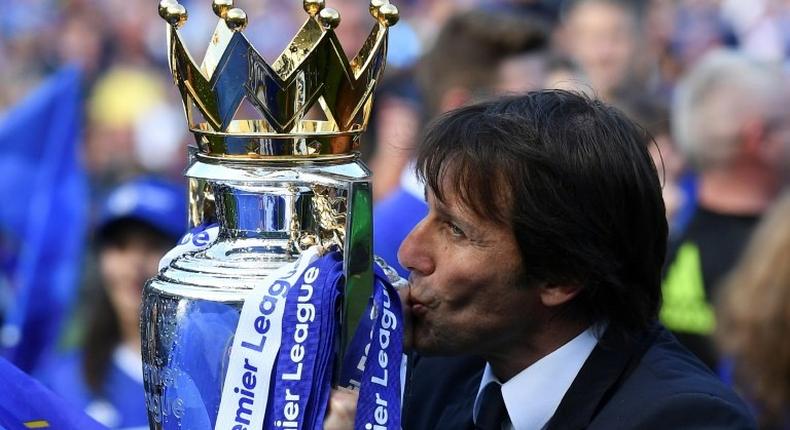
[552,295]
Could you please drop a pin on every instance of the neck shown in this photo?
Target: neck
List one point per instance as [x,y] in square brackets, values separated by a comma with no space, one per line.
[543,341]
[739,190]
[130,336]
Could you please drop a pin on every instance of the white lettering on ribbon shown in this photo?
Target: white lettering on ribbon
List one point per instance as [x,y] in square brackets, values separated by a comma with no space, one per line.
[380,376]
[196,239]
[245,391]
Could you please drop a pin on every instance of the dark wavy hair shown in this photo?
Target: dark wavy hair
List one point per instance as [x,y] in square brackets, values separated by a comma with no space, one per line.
[573,179]
[103,330]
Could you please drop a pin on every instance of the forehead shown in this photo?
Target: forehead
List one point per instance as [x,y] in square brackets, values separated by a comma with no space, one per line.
[471,191]
[468,199]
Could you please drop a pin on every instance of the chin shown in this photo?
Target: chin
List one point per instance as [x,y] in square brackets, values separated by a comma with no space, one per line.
[434,345]
[425,343]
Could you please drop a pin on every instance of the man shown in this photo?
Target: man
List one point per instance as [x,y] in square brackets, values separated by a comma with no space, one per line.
[535,278]
[729,122]
[606,39]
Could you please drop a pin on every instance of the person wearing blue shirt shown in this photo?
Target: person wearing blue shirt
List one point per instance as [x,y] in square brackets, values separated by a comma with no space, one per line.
[139,222]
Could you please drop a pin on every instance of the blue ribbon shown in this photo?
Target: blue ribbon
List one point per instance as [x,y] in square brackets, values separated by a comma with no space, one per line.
[302,385]
[304,364]
[379,404]
[302,379]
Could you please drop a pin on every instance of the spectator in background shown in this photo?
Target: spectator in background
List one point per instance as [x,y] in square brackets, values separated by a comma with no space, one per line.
[131,128]
[603,37]
[680,33]
[141,220]
[563,74]
[754,319]
[669,162]
[462,65]
[396,124]
[729,123]
[757,25]
[540,70]
[523,73]
[460,69]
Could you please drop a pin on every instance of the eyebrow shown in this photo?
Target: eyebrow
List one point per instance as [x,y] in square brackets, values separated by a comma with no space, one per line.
[447,212]
[443,208]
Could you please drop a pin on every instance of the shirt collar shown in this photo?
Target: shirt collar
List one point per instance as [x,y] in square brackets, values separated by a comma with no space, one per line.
[129,361]
[532,396]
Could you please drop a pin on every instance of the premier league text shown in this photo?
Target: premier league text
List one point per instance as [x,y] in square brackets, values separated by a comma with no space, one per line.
[305,314]
[380,376]
[245,387]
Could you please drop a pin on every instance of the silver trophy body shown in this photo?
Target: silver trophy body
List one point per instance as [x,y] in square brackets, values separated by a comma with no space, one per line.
[274,185]
[266,214]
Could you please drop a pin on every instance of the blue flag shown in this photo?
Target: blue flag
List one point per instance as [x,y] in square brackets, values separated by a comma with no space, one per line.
[26,404]
[42,216]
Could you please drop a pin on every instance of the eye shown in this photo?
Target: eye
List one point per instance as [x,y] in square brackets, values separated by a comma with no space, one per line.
[454,230]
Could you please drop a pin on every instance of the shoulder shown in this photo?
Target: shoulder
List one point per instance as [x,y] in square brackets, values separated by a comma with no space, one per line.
[670,388]
[668,368]
[695,409]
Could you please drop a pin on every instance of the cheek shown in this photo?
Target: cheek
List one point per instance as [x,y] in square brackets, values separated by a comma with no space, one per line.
[461,281]
[112,266]
[477,285]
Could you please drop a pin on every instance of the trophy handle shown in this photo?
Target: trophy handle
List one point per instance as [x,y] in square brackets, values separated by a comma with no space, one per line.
[358,267]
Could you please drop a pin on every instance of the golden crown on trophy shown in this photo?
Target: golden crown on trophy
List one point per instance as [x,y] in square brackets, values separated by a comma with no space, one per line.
[312,72]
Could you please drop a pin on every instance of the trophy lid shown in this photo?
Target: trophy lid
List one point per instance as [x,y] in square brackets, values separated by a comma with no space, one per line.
[311,73]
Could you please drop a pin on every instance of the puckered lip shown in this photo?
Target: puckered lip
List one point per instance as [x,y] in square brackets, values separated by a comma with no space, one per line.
[418,306]
[415,302]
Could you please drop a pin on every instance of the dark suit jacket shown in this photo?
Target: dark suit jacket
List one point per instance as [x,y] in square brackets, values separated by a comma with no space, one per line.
[645,382]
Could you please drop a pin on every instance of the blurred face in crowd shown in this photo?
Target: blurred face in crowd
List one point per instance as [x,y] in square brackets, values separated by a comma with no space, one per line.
[602,38]
[521,74]
[126,264]
[464,286]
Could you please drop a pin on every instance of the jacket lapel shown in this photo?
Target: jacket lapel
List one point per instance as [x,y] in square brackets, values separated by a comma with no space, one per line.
[458,413]
[606,368]
[441,392]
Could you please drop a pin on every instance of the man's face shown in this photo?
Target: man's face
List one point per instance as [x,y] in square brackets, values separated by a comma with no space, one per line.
[465,294]
[601,38]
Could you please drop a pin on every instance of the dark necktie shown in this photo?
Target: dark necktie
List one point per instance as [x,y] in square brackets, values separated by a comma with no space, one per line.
[492,411]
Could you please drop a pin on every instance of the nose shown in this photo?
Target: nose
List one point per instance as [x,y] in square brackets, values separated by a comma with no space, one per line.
[415,251]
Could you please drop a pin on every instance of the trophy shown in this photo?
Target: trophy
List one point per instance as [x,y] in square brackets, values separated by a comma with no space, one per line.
[275,184]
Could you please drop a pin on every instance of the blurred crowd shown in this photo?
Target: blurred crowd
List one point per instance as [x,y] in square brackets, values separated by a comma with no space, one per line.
[708,79]
[633,55]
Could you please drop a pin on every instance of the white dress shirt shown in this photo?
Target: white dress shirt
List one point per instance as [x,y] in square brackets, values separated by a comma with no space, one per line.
[533,395]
